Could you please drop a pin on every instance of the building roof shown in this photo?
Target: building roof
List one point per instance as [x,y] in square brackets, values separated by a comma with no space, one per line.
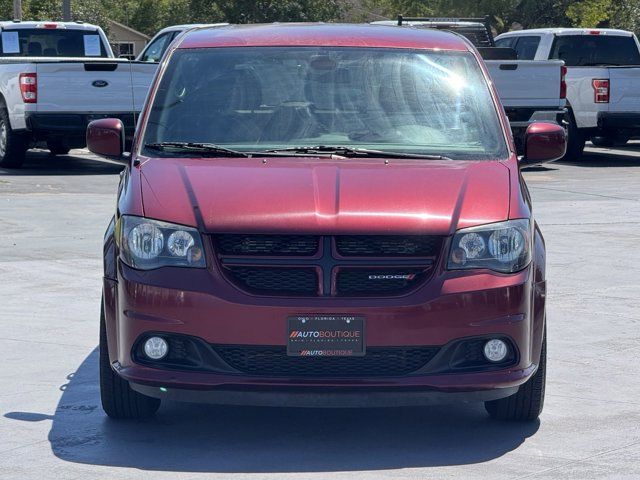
[323,34]
[129,29]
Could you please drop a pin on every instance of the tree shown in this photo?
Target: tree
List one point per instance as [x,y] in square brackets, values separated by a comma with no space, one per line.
[91,11]
[251,11]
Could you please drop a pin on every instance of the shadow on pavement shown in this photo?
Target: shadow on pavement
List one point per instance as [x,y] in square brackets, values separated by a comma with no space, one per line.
[39,162]
[205,438]
[607,158]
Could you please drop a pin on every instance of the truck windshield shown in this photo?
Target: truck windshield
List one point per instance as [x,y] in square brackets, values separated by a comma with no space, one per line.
[263,98]
[594,50]
[51,42]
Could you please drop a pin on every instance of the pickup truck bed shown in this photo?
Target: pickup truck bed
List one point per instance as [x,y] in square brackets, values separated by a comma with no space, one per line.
[71,92]
[529,91]
[603,80]
[54,79]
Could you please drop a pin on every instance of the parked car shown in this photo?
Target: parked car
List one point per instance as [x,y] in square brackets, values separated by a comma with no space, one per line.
[160,42]
[54,79]
[317,214]
[603,79]
[529,91]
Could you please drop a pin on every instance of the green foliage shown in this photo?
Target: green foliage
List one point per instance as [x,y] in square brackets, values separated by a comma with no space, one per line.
[528,13]
[149,16]
[589,13]
[252,11]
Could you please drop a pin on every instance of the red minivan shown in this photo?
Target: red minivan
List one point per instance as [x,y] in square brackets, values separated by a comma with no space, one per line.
[323,215]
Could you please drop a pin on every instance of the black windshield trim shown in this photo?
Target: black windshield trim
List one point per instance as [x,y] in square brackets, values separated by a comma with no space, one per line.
[355,151]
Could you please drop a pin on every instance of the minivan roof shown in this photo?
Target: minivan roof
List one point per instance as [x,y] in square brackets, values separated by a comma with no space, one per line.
[323,34]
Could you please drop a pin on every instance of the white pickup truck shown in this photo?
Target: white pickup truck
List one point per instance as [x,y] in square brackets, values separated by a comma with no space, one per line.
[603,79]
[529,91]
[54,79]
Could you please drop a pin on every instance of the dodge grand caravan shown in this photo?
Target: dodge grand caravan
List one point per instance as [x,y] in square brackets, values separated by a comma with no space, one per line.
[323,215]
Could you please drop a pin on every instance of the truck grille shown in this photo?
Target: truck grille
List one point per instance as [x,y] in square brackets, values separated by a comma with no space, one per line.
[273,361]
[327,266]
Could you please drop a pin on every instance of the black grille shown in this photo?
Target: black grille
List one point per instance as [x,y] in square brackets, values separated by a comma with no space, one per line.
[376,281]
[324,265]
[378,362]
[387,245]
[267,245]
[276,280]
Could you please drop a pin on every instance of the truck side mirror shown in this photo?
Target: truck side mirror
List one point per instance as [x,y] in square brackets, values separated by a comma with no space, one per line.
[543,142]
[105,137]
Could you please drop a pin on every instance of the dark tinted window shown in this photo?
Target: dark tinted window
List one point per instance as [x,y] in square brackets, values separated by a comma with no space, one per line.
[506,42]
[51,42]
[591,50]
[156,48]
[526,47]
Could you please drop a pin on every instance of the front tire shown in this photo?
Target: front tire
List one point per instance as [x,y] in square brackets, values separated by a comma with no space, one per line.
[119,400]
[527,403]
[13,145]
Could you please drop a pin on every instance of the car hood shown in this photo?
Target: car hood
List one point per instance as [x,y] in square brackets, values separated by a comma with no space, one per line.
[325,195]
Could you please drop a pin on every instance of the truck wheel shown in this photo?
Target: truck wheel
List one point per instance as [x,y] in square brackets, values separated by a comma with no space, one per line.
[119,400]
[57,147]
[575,140]
[527,403]
[13,145]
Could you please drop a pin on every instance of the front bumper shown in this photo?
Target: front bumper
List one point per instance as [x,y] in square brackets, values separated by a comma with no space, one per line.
[274,396]
[451,306]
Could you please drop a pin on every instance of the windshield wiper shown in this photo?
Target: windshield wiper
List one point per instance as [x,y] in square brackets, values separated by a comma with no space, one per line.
[209,148]
[355,152]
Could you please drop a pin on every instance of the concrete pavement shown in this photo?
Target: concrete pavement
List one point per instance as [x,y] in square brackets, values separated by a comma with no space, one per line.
[51,425]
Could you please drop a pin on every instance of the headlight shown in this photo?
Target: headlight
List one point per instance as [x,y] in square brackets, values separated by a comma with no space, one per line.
[146,244]
[504,247]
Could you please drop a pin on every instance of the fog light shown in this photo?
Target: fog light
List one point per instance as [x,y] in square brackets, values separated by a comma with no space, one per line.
[155,348]
[495,350]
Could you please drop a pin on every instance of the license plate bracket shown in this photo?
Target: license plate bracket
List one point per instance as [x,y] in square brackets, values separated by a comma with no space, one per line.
[325,336]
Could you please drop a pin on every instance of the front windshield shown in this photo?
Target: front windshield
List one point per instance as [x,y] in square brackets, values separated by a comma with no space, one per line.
[395,100]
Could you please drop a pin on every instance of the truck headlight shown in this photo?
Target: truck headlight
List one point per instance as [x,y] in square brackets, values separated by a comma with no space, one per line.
[503,247]
[146,244]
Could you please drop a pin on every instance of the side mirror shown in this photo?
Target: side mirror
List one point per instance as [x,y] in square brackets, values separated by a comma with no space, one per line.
[105,137]
[543,142]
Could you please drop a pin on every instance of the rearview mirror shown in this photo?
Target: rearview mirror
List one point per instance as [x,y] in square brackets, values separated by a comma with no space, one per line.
[105,137]
[543,142]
